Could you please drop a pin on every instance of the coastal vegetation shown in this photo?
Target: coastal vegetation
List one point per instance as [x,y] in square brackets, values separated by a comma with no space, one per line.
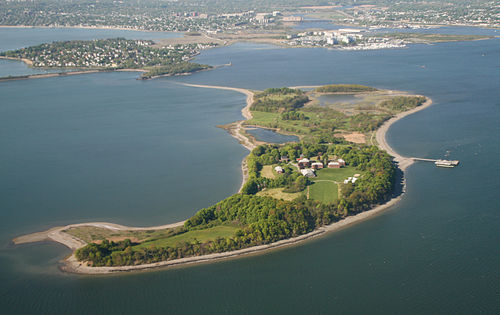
[184,67]
[348,88]
[279,100]
[112,54]
[280,109]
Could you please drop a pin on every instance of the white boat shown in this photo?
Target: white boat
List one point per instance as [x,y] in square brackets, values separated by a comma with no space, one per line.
[446,163]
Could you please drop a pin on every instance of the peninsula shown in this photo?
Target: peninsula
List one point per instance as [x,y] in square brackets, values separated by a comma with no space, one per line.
[112,54]
[335,176]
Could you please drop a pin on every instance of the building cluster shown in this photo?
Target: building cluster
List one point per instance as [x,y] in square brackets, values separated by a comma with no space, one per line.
[307,167]
[348,39]
[324,38]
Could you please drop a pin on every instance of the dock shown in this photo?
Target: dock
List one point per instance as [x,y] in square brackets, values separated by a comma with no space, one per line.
[439,162]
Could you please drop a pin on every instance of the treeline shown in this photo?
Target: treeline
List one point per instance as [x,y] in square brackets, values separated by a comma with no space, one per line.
[279,100]
[175,69]
[403,103]
[337,88]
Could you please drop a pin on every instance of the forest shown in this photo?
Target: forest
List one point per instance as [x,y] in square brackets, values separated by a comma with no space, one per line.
[279,100]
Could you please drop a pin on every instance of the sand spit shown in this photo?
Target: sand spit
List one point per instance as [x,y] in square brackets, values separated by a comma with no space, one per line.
[57,233]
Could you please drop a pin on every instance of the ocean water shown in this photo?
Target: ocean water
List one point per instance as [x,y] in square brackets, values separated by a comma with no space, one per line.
[109,147]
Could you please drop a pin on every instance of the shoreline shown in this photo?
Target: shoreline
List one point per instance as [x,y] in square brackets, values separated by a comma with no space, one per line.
[71,264]
[60,74]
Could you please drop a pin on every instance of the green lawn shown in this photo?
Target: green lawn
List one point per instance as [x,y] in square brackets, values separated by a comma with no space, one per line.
[336,174]
[201,235]
[323,191]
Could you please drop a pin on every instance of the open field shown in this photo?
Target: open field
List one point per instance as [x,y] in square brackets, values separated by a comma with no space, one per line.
[336,174]
[267,171]
[324,191]
[278,193]
[203,236]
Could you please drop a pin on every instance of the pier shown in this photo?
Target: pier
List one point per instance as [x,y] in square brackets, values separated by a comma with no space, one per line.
[439,163]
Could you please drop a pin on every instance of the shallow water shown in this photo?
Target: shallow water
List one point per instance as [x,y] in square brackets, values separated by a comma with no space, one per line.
[109,147]
[271,136]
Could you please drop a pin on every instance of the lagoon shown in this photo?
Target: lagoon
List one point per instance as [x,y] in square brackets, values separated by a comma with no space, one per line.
[271,136]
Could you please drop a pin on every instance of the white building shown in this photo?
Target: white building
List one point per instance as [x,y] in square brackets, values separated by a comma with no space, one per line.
[307,172]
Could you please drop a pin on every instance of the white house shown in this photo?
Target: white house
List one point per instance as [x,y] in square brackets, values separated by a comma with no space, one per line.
[307,172]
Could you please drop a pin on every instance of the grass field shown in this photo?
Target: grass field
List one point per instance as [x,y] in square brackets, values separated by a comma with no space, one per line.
[323,191]
[200,235]
[336,174]
[278,193]
[267,171]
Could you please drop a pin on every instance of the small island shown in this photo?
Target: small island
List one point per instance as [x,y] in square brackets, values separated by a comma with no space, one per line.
[341,171]
[113,54]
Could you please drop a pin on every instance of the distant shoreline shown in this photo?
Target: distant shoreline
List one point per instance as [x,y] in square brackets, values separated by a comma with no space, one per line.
[89,27]
[72,265]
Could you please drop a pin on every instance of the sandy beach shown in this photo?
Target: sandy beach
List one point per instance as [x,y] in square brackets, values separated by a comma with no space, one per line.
[26,61]
[72,265]
[402,161]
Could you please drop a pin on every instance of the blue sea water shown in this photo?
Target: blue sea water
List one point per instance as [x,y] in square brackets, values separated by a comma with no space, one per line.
[110,147]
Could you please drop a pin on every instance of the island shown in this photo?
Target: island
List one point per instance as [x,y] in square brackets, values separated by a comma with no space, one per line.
[113,54]
[340,172]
